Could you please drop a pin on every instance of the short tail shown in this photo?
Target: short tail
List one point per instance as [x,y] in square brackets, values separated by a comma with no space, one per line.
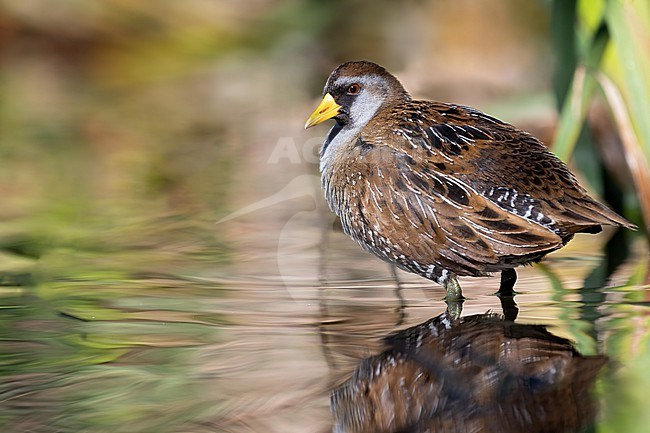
[588,216]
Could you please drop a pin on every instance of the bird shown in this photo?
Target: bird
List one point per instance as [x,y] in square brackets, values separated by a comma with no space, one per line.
[443,190]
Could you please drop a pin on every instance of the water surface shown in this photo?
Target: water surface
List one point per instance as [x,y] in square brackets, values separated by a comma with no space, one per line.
[176,324]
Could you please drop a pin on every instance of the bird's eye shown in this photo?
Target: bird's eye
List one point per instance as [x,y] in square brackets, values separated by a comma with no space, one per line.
[354,89]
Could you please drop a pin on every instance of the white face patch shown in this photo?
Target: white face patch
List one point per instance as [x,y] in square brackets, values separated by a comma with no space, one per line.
[373,93]
[366,103]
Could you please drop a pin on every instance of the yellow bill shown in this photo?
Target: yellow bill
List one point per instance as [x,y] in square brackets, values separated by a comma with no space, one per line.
[327,109]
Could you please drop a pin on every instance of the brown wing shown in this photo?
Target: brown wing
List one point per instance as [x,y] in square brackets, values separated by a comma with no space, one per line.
[507,166]
[431,217]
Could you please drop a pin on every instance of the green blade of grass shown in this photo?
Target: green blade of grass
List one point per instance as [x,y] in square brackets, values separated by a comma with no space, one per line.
[576,104]
[629,22]
[634,156]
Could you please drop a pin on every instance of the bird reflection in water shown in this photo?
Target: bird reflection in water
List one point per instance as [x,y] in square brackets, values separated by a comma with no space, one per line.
[474,374]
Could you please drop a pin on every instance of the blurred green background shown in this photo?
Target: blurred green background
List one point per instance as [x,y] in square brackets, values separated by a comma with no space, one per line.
[129,128]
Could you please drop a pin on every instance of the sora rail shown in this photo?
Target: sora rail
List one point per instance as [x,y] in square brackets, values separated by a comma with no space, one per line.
[443,190]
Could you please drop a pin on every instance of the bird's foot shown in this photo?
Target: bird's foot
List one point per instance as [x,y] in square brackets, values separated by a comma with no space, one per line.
[454,308]
[454,292]
[454,298]
[507,294]
[508,280]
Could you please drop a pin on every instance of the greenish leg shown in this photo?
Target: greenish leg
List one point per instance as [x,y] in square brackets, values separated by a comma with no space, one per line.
[454,292]
[454,298]
[454,309]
